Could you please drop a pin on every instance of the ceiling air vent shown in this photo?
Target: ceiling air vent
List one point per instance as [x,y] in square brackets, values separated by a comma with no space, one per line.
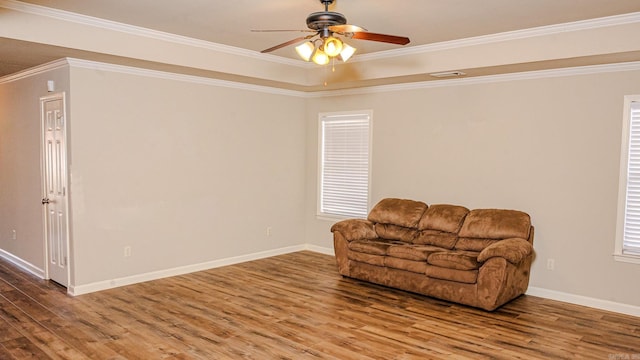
[447,74]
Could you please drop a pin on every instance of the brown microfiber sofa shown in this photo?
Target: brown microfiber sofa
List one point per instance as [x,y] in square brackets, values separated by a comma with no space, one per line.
[479,257]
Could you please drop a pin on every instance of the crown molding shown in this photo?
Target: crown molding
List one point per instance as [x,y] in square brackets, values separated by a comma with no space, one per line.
[420,49]
[615,20]
[525,75]
[143,32]
[53,65]
[131,70]
[94,65]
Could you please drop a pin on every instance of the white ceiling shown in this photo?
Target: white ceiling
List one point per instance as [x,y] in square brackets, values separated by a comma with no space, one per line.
[424,21]
[230,22]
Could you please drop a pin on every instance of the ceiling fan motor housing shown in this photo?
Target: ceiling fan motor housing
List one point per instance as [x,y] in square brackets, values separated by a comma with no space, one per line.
[323,19]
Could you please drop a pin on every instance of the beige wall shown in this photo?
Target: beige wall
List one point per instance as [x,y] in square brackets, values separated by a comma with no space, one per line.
[548,146]
[187,173]
[184,173]
[20,181]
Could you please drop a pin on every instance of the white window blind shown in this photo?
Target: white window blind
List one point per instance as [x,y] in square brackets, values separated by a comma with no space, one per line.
[631,239]
[344,164]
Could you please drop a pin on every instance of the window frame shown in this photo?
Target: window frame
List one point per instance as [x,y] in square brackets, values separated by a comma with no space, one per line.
[319,197]
[618,253]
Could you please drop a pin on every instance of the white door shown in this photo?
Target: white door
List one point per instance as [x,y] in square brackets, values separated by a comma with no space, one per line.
[54,175]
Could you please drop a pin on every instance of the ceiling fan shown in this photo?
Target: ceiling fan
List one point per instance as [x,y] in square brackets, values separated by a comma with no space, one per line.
[324,24]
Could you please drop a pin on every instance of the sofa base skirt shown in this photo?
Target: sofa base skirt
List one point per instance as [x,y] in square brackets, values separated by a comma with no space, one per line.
[466,294]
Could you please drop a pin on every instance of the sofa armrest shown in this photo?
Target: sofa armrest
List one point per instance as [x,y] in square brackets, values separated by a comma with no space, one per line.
[513,250]
[355,229]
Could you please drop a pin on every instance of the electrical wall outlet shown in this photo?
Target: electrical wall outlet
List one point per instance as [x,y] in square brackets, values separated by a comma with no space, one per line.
[14,234]
[269,230]
[551,264]
[127,251]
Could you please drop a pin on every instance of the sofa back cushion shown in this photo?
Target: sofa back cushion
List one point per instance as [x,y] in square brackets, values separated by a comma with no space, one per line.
[397,219]
[442,217]
[400,212]
[483,227]
[440,224]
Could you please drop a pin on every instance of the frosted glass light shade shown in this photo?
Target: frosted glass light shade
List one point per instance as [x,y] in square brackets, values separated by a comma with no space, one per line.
[305,50]
[347,52]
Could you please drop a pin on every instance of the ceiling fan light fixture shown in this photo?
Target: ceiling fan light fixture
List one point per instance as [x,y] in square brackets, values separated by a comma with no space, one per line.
[305,50]
[347,52]
[319,57]
[332,46]
[326,47]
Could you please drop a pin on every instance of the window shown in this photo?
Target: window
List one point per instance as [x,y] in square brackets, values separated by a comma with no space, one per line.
[344,160]
[627,247]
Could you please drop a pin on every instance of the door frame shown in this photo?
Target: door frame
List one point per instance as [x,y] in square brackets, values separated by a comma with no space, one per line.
[55,96]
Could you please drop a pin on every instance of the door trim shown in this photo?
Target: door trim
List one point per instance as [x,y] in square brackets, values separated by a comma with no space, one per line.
[55,96]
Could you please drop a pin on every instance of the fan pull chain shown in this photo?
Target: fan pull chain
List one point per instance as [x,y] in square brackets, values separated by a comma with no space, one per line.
[325,75]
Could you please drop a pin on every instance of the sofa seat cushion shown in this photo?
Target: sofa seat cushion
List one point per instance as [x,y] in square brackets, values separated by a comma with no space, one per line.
[373,246]
[414,266]
[436,238]
[461,276]
[395,232]
[370,259]
[412,252]
[458,260]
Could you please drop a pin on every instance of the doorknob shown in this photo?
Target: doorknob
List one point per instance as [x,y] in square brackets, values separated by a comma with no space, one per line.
[45,201]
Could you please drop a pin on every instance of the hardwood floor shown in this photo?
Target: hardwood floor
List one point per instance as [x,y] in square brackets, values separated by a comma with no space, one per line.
[293,306]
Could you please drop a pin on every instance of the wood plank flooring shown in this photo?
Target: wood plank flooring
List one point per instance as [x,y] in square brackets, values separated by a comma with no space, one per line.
[294,306]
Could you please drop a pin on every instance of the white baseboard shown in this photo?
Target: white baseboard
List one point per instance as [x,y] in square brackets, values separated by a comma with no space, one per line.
[584,301]
[129,280]
[22,264]
[155,275]
[320,249]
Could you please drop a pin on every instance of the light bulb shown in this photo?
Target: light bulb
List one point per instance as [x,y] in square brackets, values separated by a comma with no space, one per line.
[320,58]
[332,46]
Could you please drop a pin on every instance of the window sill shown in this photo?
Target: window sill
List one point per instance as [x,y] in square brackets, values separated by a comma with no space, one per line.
[334,218]
[633,259]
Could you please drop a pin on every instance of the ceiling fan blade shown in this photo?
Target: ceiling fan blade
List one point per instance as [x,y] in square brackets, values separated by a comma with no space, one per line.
[296,40]
[254,30]
[400,40]
[346,28]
